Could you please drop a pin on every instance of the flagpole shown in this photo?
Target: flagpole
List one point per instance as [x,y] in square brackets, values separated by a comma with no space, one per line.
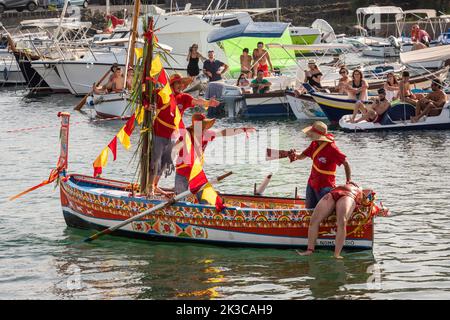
[147,125]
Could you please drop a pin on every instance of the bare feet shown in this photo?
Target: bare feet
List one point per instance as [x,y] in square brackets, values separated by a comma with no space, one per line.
[414,119]
[305,253]
[338,256]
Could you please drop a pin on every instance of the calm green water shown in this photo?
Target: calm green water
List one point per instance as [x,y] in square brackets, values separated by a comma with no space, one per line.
[41,258]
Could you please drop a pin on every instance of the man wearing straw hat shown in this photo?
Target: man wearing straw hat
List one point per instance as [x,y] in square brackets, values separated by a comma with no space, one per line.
[326,156]
[200,134]
[164,129]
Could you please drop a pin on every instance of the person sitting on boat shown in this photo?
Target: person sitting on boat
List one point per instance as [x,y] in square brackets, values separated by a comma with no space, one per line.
[259,84]
[404,93]
[193,59]
[358,87]
[373,112]
[313,76]
[344,81]
[261,60]
[342,200]
[200,134]
[242,82]
[432,104]
[326,156]
[391,87]
[164,131]
[108,87]
[419,37]
[130,77]
[214,68]
[246,63]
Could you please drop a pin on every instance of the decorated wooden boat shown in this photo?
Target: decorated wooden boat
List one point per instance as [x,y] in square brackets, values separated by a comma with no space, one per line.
[247,220]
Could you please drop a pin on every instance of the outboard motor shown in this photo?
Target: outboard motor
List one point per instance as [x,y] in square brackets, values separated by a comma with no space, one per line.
[394,42]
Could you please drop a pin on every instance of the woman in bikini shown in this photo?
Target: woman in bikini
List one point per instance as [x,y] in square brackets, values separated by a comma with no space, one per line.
[357,88]
[391,87]
[342,200]
[313,76]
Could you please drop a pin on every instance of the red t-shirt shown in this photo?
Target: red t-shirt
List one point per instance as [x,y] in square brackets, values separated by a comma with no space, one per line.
[327,160]
[164,124]
[184,165]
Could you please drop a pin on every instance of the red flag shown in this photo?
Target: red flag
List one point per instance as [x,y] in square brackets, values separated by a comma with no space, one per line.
[113,147]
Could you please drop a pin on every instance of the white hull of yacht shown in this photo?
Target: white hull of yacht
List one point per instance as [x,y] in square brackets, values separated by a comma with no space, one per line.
[10,72]
[79,77]
[49,73]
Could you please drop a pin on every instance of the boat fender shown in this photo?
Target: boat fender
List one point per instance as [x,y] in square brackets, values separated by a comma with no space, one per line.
[394,42]
[5,74]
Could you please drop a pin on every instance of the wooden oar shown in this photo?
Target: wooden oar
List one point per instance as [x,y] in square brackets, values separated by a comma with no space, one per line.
[83,101]
[153,209]
[273,154]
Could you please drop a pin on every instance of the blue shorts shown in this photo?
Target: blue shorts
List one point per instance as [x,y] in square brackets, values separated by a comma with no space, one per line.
[313,197]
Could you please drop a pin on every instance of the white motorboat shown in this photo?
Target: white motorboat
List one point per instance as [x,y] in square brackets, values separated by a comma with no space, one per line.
[304,109]
[112,105]
[399,118]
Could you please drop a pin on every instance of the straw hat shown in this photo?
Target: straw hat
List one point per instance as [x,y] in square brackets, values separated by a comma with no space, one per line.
[318,132]
[185,81]
[206,123]
[311,61]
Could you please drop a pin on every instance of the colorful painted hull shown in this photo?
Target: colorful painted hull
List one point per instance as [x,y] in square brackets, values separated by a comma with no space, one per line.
[94,203]
[334,106]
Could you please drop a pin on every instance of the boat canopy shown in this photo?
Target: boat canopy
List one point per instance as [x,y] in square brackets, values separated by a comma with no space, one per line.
[251,29]
[429,13]
[311,47]
[379,10]
[426,55]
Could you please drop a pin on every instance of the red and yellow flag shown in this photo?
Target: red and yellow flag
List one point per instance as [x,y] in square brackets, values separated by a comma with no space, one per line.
[198,180]
[124,137]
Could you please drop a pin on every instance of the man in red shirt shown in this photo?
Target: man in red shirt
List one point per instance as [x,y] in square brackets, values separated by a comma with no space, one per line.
[419,37]
[200,135]
[165,132]
[326,156]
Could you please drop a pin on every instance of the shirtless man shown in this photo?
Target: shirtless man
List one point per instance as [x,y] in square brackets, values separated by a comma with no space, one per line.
[374,112]
[432,104]
[115,82]
[405,94]
[246,63]
[261,59]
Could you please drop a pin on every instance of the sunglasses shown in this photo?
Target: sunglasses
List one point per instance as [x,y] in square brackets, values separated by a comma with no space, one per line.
[343,72]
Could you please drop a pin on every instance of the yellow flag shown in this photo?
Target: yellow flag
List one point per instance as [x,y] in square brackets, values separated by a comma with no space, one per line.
[140,115]
[156,66]
[102,159]
[165,93]
[139,52]
[209,194]
[124,138]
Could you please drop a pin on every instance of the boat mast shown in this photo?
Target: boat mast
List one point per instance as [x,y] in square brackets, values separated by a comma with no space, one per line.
[134,28]
[147,126]
[107,7]
[278,10]
[63,13]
